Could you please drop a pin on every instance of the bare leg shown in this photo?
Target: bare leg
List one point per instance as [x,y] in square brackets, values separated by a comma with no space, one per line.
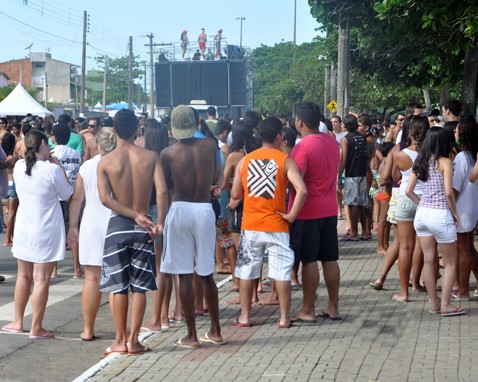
[198,296]
[12,212]
[464,264]
[417,266]
[22,293]
[331,272]
[354,216]
[310,283]
[450,261]
[391,256]
[235,237]
[284,293]
[120,318]
[368,222]
[138,306]
[220,266]
[212,301]
[376,213]
[167,288]
[186,294]
[246,288]
[178,310]
[406,233]
[428,244]
[90,300]
[76,259]
[382,240]
[41,284]
[364,215]
[232,257]
[339,204]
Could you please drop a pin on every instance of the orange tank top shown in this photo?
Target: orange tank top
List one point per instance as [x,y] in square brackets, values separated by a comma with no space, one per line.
[265,181]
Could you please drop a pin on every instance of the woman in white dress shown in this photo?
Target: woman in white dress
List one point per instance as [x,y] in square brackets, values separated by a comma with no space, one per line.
[93,230]
[39,236]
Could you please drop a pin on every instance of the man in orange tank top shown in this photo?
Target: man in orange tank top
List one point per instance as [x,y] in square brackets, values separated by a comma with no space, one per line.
[261,179]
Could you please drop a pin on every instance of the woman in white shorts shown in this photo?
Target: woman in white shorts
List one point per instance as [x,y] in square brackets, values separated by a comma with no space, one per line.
[405,211]
[436,217]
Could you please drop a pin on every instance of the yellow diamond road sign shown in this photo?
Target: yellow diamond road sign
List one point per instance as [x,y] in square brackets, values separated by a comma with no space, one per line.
[332,106]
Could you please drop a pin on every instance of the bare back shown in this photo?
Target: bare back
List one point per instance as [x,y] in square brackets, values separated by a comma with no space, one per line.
[190,168]
[128,173]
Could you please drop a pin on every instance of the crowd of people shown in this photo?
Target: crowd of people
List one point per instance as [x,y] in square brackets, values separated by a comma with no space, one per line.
[148,205]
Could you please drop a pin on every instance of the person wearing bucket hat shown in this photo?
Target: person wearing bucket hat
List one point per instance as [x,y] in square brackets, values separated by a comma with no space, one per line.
[184,41]
[217,39]
[191,171]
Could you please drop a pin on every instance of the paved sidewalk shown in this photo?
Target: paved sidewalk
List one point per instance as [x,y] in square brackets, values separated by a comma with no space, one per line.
[377,340]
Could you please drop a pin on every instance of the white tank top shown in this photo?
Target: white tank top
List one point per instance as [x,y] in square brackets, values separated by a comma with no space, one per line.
[406,174]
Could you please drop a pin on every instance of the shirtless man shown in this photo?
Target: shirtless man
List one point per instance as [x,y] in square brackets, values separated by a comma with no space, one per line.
[125,182]
[91,148]
[190,234]
[202,39]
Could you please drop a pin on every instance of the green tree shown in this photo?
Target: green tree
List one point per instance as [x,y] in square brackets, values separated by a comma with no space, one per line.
[117,79]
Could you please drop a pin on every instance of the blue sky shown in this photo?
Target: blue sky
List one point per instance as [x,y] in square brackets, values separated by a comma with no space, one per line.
[55,26]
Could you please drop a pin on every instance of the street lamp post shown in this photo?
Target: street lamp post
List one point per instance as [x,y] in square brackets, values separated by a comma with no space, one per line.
[242,19]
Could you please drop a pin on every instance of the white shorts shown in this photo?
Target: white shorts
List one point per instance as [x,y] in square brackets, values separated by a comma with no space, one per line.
[437,222]
[252,246]
[189,237]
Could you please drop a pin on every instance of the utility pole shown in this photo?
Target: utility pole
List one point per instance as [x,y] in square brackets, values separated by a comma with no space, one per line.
[151,75]
[45,90]
[240,39]
[295,28]
[105,70]
[83,65]
[151,71]
[326,88]
[130,74]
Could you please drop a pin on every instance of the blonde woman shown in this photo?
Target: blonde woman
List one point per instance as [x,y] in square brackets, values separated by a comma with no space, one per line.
[91,237]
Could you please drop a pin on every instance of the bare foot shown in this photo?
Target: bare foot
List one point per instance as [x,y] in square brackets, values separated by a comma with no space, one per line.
[266,301]
[381,251]
[7,244]
[398,297]
[234,301]
[136,349]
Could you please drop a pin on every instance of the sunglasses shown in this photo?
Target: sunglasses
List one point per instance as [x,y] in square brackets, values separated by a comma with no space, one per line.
[401,119]
[94,126]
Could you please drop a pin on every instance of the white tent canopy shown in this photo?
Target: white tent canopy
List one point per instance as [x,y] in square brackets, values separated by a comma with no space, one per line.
[19,102]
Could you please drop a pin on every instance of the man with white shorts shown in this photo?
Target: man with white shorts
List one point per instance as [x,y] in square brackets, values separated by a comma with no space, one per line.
[261,179]
[191,170]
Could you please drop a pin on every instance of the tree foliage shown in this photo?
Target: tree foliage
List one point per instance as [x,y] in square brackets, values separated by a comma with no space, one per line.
[117,79]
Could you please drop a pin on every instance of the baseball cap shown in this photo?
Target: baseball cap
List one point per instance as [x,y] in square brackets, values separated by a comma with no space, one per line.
[106,122]
[213,127]
[183,123]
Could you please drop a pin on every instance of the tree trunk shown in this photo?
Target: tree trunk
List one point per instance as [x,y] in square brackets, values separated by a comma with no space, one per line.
[426,96]
[342,71]
[333,84]
[470,76]
[444,94]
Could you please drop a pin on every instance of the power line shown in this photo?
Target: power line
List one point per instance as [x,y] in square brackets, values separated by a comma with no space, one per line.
[38,29]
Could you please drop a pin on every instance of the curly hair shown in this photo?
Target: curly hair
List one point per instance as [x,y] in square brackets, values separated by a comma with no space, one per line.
[468,137]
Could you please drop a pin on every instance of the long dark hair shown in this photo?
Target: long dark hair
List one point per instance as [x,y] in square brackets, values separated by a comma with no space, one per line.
[8,143]
[33,141]
[242,138]
[435,146]
[468,141]
[155,136]
[418,129]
